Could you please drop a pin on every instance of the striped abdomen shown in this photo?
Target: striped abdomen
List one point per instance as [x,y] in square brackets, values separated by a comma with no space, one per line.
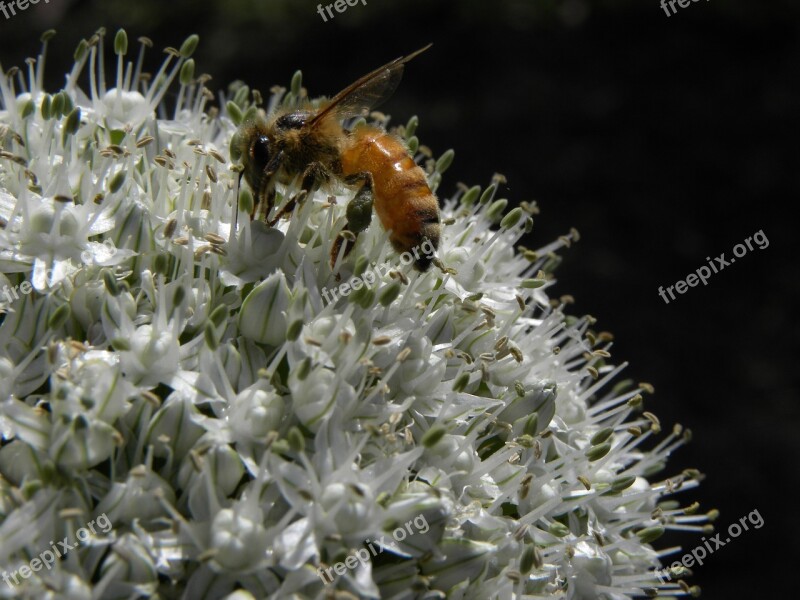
[401,196]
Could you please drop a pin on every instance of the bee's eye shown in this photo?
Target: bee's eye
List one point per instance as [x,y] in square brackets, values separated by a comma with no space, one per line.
[260,152]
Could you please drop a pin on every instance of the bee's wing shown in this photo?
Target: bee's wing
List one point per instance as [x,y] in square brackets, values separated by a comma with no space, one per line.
[365,93]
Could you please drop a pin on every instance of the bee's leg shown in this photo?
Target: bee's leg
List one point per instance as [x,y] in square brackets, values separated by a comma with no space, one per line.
[266,200]
[265,196]
[314,175]
[359,215]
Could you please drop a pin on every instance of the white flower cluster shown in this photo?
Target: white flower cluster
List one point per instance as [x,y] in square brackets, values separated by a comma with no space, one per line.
[182,374]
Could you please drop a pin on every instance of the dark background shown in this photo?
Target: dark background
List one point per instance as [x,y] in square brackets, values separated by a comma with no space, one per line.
[663,140]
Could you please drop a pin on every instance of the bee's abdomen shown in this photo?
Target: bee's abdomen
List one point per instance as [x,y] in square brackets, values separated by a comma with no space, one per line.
[402,198]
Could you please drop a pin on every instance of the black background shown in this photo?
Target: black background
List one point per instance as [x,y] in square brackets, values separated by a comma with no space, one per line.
[663,140]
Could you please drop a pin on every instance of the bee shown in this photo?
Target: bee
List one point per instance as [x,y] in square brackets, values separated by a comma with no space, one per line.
[313,144]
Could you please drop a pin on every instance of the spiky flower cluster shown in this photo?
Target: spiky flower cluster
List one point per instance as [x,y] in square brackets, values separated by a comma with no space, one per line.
[182,375]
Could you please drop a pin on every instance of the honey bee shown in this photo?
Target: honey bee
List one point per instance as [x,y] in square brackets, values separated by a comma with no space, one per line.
[313,144]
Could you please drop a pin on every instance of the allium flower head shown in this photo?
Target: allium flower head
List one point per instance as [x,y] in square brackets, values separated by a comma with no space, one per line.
[177,367]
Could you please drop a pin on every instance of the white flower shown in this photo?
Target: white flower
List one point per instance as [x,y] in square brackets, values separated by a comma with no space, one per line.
[263,314]
[178,367]
[240,541]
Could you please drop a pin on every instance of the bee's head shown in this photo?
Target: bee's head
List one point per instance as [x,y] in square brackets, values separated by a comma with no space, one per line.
[251,145]
[258,140]
[259,152]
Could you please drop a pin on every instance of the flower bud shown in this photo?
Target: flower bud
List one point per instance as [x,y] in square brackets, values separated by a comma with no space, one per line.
[173,425]
[263,314]
[315,397]
[79,443]
[131,565]
[19,462]
[153,357]
[239,541]
[352,508]
[539,398]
